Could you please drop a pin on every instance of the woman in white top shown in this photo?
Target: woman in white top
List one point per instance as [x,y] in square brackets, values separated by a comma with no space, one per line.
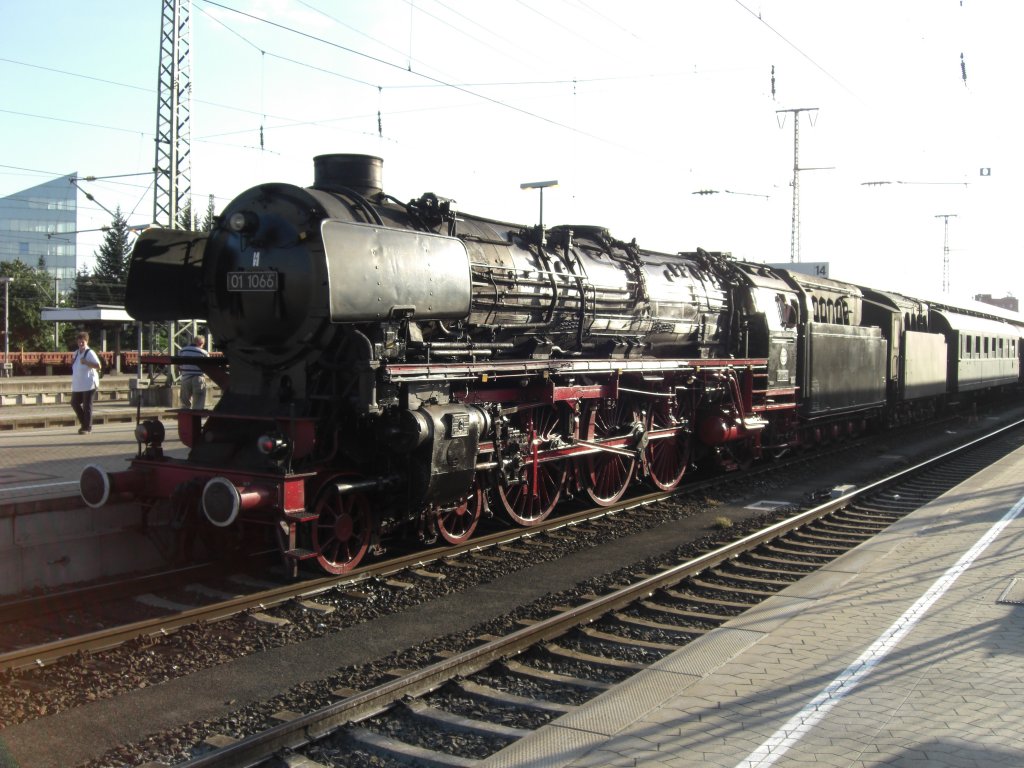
[85,380]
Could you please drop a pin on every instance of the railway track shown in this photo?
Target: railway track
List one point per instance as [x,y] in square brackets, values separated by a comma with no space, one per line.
[108,600]
[42,630]
[460,709]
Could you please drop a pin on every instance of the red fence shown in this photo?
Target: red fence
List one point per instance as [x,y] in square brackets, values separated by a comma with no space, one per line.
[44,363]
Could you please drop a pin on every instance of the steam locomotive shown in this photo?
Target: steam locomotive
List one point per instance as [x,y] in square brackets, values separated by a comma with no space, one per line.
[397,368]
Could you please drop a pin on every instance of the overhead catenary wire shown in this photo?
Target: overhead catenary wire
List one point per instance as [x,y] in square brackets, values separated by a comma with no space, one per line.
[796,48]
[385,63]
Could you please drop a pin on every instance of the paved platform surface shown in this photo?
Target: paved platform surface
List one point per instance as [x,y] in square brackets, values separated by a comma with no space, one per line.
[44,463]
[908,651]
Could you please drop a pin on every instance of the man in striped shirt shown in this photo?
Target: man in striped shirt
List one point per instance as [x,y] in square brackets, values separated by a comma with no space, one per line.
[193,381]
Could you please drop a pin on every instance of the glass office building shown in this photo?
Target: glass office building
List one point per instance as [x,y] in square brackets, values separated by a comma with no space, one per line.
[38,225]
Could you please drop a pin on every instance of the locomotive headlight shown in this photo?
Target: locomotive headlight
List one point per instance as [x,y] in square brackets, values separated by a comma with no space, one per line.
[150,432]
[243,221]
[273,446]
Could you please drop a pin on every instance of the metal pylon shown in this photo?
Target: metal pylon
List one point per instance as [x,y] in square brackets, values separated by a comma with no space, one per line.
[172,169]
[945,248]
[794,242]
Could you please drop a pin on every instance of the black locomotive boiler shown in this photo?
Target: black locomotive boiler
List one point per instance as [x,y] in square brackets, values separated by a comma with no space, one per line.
[397,368]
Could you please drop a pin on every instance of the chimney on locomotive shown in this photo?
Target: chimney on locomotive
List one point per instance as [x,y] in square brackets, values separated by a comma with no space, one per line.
[362,174]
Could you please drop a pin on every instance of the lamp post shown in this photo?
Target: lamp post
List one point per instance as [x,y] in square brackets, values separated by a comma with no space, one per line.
[8,369]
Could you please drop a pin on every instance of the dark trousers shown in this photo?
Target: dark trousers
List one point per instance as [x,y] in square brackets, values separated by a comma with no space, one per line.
[81,402]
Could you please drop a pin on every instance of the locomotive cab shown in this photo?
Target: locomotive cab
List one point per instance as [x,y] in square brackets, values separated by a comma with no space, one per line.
[770,322]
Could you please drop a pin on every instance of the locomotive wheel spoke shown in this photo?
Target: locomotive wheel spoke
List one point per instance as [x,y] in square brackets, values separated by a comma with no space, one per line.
[666,458]
[457,525]
[341,532]
[531,501]
[606,475]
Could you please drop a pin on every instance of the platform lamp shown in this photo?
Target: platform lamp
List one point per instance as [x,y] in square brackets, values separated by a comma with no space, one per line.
[541,185]
[8,368]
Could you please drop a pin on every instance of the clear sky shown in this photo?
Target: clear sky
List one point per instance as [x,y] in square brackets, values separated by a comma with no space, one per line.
[631,106]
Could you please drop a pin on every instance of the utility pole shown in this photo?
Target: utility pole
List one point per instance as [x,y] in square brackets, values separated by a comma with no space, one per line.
[794,244]
[945,248]
[172,168]
[56,305]
[8,367]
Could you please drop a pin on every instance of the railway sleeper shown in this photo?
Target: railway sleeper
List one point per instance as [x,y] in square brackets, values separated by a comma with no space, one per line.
[858,513]
[894,505]
[596,634]
[407,753]
[853,531]
[686,614]
[823,533]
[784,562]
[803,549]
[873,508]
[524,670]
[558,651]
[453,722]
[711,602]
[657,625]
[495,696]
[817,543]
[744,567]
[854,528]
[929,489]
[762,593]
[871,521]
[732,575]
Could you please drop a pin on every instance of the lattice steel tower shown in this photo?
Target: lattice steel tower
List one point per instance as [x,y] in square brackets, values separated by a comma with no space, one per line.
[172,186]
[794,243]
[945,248]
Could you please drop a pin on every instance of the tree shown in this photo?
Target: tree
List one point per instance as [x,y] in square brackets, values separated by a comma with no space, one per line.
[28,295]
[114,254]
[106,283]
[209,219]
[185,218]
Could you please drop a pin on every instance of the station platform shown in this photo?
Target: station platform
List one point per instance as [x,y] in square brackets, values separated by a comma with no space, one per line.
[34,402]
[907,651]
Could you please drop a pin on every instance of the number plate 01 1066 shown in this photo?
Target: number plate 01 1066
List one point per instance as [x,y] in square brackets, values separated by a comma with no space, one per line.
[253,280]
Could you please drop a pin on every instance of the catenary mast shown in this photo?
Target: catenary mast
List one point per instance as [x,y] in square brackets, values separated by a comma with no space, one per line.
[172,168]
